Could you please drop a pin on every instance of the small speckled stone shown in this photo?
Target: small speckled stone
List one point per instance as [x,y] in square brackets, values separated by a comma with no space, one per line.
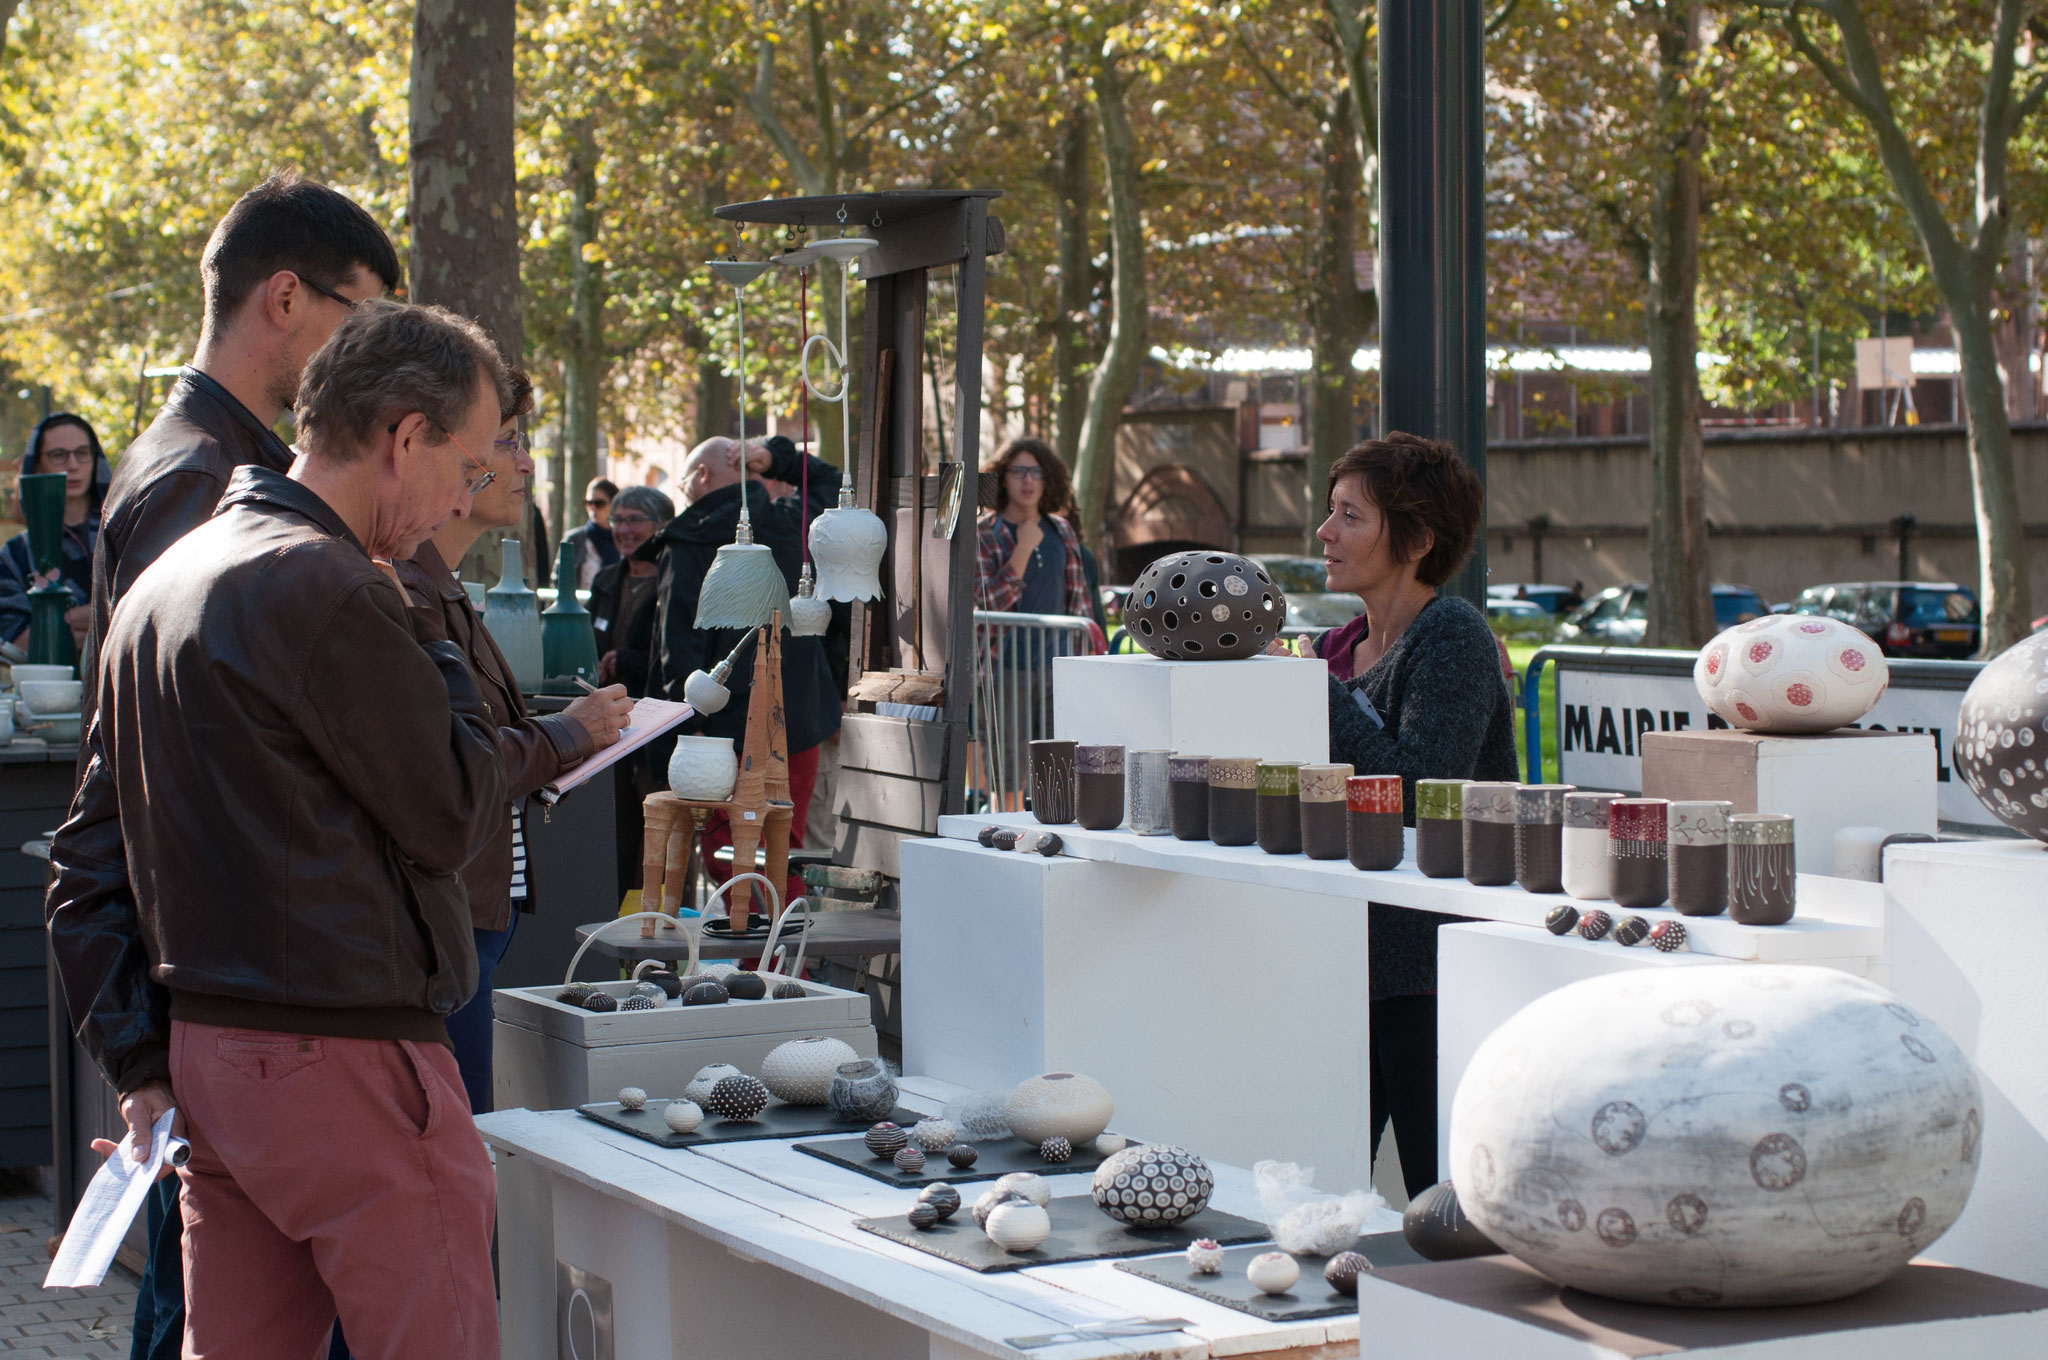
[1343,1270]
[962,1155]
[746,987]
[934,1135]
[573,993]
[941,1197]
[1560,920]
[740,1097]
[1594,925]
[600,1003]
[1631,930]
[987,836]
[1668,936]
[632,1097]
[924,1216]
[637,1002]
[910,1159]
[990,1198]
[1006,840]
[1205,1256]
[705,994]
[1109,1144]
[1049,844]
[1029,1184]
[886,1139]
[787,991]
[1056,1149]
[682,1115]
[651,990]
[1273,1272]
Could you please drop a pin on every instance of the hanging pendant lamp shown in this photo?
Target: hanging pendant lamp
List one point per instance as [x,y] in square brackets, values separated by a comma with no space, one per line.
[847,542]
[744,588]
[809,616]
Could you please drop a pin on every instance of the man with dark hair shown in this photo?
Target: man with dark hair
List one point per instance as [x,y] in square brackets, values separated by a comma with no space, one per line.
[595,549]
[289,261]
[256,904]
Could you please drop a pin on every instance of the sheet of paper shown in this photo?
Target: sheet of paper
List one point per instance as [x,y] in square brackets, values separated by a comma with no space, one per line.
[102,1217]
[650,718]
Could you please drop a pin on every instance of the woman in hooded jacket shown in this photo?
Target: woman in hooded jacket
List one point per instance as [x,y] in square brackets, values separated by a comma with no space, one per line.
[64,443]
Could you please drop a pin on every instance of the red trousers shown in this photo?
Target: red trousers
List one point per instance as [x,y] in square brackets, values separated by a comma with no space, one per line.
[331,1175]
[803,778]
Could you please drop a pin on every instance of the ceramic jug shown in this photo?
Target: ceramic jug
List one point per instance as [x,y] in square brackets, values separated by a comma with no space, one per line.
[512,613]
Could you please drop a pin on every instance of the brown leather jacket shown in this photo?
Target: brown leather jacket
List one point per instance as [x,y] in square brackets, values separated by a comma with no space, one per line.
[534,750]
[281,790]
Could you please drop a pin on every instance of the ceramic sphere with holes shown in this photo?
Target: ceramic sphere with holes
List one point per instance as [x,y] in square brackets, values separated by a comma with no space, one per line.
[1791,673]
[800,1071]
[1204,606]
[2001,746]
[1153,1184]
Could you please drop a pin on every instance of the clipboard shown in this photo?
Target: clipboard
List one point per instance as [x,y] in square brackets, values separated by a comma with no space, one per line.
[650,718]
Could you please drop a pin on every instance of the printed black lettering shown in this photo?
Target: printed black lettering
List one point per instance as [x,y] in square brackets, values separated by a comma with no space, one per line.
[1609,740]
[1578,727]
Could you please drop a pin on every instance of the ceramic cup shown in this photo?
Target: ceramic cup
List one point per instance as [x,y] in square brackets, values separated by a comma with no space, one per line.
[1373,804]
[1638,849]
[1145,772]
[1489,830]
[1587,874]
[1539,836]
[1761,886]
[1440,827]
[1322,810]
[1099,787]
[1187,797]
[1052,781]
[1699,857]
[1233,800]
[1279,811]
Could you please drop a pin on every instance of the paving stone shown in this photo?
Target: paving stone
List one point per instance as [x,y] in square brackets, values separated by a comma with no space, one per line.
[39,1324]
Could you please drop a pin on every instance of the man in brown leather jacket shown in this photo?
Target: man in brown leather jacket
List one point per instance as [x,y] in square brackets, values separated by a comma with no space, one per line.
[257,907]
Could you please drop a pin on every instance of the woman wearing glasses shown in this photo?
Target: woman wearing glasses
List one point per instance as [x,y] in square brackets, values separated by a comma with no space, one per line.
[61,443]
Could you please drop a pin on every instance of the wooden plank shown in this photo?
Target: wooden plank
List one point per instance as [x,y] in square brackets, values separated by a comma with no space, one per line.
[26,1107]
[863,846]
[899,746]
[910,805]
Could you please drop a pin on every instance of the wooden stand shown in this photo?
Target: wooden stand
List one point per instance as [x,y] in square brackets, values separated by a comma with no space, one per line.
[760,810]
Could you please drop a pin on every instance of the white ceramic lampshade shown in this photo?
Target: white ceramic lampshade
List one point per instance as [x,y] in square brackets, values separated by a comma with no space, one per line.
[809,616]
[847,543]
[744,588]
[703,693]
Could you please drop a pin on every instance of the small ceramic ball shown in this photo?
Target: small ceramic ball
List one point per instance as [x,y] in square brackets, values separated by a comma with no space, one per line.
[671,985]
[886,1139]
[636,1002]
[933,1135]
[1006,840]
[740,1097]
[1631,930]
[924,1217]
[1018,1227]
[990,1198]
[788,991]
[599,1003]
[987,836]
[708,1076]
[1594,925]
[1668,936]
[1343,1270]
[1056,1149]
[942,1197]
[1205,1256]
[1272,1272]
[1049,844]
[651,990]
[745,987]
[632,1097]
[573,994]
[962,1155]
[1029,1184]
[910,1160]
[705,994]
[1109,1144]
[1560,920]
[682,1115]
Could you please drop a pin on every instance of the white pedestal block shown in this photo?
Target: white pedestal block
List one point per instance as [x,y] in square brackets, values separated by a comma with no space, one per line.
[1275,708]
[1824,782]
[1227,1016]
[1966,935]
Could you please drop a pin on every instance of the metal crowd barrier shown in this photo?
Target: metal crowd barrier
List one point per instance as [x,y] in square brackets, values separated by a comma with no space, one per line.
[1013,697]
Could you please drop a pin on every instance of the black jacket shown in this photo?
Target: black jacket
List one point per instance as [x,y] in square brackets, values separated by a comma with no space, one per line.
[281,789]
[632,638]
[810,702]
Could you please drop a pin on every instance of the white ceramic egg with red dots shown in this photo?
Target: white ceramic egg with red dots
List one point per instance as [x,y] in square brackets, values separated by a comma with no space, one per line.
[1791,673]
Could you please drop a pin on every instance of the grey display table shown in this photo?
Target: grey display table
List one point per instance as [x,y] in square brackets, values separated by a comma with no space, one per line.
[832,935]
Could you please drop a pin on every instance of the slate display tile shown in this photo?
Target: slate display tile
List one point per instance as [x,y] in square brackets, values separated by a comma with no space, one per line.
[1080,1232]
[1310,1297]
[776,1121]
[996,1158]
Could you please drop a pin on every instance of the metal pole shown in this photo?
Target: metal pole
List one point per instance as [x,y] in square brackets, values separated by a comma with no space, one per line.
[1432,234]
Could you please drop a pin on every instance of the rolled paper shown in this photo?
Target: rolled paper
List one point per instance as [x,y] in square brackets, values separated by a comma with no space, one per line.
[1187,795]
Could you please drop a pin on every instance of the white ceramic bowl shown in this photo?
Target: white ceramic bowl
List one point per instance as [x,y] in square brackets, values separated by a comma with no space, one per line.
[31,671]
[51,697]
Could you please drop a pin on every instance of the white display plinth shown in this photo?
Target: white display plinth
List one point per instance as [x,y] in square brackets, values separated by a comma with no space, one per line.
[1823,782]
[1496,1308]
[1967,941]
[1272,707]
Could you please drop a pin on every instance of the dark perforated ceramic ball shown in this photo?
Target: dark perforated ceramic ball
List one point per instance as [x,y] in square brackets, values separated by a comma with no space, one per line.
[1204,606]
[1153,1184]
[2001,746]
[740,1097]
[705,994]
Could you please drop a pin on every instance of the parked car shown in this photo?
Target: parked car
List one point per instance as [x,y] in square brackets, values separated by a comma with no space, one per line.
[1312,611]
[1904,618]
[1616,616]
[1550,599]
[1295,575]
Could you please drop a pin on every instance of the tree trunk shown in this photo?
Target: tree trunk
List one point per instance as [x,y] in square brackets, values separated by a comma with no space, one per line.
[587,361]
[1339,313]
[714,389]
[465,209]
[2001,551]
[1071,330]
[1110,386]
[1681,608]
[2013,333]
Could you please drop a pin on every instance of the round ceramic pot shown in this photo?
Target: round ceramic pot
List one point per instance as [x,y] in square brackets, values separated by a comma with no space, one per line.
[1489,849]
[1586,873]
[1638,851]
[1204,606]
[1539,836]
[1278,816]
[861,1091]
[1699,857]
[1373,808]
[800,1071]
[1440,827]
[1762,889]
[1145,773]
[703,769]
[1059,1105]
[1322,810]
[1052,781]
[1233,800]
[2001,731]
[1099,787]
[1187,797]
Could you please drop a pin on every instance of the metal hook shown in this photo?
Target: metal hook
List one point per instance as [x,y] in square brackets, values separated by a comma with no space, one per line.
[878,218]
[842,214]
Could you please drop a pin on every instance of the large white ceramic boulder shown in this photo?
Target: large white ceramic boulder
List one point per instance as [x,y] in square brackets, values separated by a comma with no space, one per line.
[1791,673]
[1728,1136]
